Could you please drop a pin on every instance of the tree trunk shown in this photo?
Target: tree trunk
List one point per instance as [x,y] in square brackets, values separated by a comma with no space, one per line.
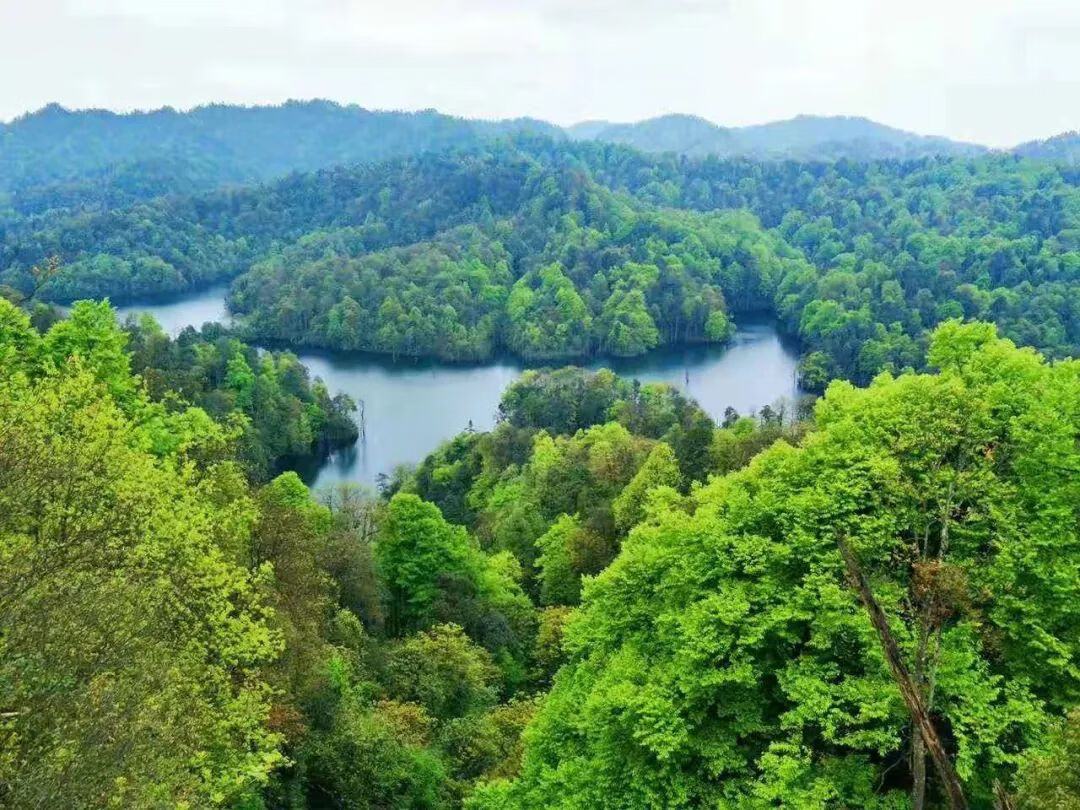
[908,690]
[1002,800]
[918,770]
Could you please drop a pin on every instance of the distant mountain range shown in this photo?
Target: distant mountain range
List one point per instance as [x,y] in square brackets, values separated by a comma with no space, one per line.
[1064,148]
[231,143]
[166,151]
[805,137]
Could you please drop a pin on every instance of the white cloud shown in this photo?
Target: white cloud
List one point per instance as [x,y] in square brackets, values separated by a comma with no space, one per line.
[996,71]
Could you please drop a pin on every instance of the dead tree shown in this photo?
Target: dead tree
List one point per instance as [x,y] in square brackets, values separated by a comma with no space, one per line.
[920,717]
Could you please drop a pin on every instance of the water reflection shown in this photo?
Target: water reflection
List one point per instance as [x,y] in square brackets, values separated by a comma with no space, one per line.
[196,309]
[412,406]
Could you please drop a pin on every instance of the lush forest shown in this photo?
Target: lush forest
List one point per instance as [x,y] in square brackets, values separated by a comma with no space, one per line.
[728,656]
[805,137]
[67,152]
[606,601]
[551,250]
[68,156]
[866,599]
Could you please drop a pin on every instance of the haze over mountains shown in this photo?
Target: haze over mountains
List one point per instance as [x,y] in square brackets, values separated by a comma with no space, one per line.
[806,137]
[223,144]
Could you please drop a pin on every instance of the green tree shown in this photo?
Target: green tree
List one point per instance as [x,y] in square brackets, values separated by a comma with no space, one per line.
[1050,778]
[560,581]
[661,469]
[415,550]
[723,657]
[131,648]
[443,671]
[92,334]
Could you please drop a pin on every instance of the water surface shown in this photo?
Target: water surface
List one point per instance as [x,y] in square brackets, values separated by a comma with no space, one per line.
[411,406]
[195,309]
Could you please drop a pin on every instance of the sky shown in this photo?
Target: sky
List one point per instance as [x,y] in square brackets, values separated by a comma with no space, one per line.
[996,72]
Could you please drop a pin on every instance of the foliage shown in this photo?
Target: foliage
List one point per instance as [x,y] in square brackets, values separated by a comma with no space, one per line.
[56,157]
[1050,779]
[130,644]
[282,415]
[805,137]
[722,659]
[174,632]
[551,249]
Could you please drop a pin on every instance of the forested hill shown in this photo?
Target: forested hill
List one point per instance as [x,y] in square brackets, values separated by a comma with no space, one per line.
[805,137]
[101,158]
[217,144]
[1064,148]
[548,249]
[97,160]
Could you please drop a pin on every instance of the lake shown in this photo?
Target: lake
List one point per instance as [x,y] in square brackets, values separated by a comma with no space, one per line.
[412,406]
[174,316]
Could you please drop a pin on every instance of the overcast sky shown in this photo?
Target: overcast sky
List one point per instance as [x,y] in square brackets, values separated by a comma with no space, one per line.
[993,71]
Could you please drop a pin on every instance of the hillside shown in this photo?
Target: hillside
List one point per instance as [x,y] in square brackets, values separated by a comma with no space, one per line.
[688,134]
[228,143]
[99,160]
[805,137]
[1064,148]
[72,154]
[546,249]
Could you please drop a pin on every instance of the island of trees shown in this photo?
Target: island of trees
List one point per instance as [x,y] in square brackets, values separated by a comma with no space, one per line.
[552,251]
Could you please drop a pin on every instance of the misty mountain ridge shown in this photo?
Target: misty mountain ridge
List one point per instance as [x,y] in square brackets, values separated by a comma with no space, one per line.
[57,153]
[805,137]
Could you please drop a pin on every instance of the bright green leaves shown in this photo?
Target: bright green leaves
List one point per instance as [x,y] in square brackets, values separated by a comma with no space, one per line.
[19,342]
[661,469]
[434,571]
[559,577]
[415,551]
[547,316]
[240,379]
[723,660]
[131,645]
[443,671]
[92,335]
[626,328]
[1050,778]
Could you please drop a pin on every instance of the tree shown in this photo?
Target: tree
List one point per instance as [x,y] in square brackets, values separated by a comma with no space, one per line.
[560,583]
[91,334]
[723,657]
[377,756]
[692,444]
[1050,778]
[131,646]
[661,469]
[415,550]
[443,671]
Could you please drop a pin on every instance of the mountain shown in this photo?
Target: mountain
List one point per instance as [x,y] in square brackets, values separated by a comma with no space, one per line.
[687,134]
[808,137]
[227,143]
[1064,148]
[805,137]
[60,159]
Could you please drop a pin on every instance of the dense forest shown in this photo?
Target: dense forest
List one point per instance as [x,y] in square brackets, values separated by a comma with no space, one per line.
[557,613]
[864,599]
[805,137]
[549,250]
[69,154]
